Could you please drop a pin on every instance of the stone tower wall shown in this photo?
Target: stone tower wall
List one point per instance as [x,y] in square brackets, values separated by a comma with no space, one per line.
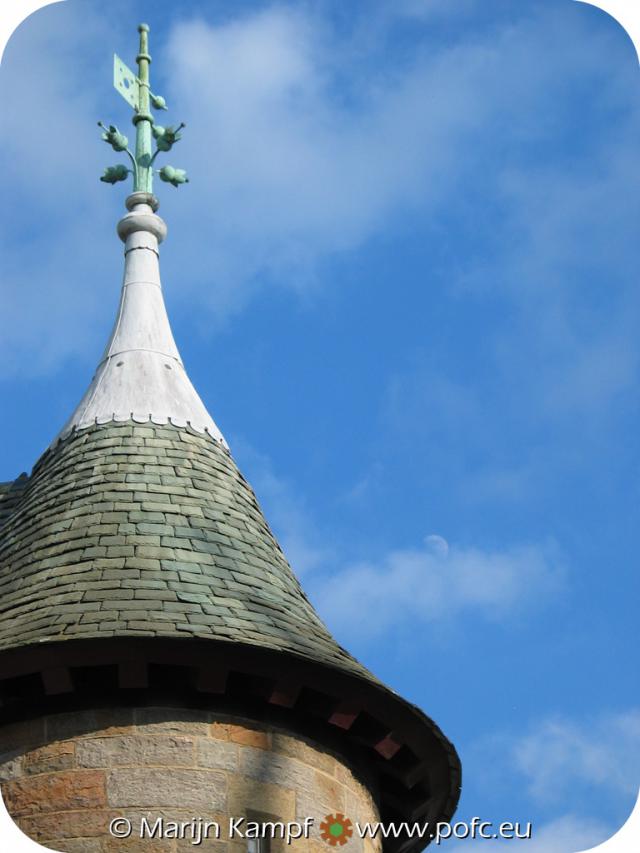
[65,777]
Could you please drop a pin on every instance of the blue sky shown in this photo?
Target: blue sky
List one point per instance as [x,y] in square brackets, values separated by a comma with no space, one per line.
[403,278]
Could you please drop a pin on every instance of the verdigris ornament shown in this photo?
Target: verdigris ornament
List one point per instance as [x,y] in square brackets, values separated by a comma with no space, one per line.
[118,141]
[158,102]
[171,175]
[114,174]
[136,92]
[166,137]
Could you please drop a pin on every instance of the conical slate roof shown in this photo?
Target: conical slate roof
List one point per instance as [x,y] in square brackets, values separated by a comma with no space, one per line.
[136,548]
[128,529]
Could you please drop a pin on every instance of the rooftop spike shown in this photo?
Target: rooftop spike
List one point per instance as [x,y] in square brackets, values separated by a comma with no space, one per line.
[135,89]
[141,375]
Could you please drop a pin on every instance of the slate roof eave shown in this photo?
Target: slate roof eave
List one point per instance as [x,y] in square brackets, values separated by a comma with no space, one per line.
[148,528]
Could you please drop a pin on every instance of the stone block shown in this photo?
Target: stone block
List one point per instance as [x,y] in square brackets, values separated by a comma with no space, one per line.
[180,721]
[220,731]
[329,791]
[360,805]
[11,768]
[75,824]
[54,792]
[295,748]
[180,788]
[309,804]
[59,755]
[276,769]
[262,797]
[216,754]
[132,751]
[249,736]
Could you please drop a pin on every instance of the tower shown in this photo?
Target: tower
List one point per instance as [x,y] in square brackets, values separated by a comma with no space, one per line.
[158,657]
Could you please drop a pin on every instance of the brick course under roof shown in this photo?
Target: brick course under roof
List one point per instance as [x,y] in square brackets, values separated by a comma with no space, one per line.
[143,530]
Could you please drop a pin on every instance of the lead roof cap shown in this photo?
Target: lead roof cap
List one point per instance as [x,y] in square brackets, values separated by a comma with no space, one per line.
[141,375]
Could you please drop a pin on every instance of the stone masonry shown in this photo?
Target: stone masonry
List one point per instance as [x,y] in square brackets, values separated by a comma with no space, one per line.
[66,776]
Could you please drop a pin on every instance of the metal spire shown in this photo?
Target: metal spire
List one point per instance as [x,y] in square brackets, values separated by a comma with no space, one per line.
[141,376]
[135,89]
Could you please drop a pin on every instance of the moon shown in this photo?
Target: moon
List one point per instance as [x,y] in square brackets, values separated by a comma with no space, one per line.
[438,545]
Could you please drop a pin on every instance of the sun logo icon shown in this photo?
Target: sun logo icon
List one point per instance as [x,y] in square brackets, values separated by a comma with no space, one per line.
[336,829]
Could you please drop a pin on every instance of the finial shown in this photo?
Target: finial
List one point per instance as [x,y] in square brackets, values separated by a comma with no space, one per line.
[136,91]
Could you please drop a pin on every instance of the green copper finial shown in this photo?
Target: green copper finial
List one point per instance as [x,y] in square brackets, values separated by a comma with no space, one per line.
[134,88]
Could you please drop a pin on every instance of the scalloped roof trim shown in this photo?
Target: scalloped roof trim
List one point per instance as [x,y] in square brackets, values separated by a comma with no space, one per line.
[140,420]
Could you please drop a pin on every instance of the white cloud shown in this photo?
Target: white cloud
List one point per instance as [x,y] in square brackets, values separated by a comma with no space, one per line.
[561,346]
[430,584]
[434,584]
[311,142]
[563,293]
[57,239]
[559,754]
[294,151]
[565,760]
[303,157]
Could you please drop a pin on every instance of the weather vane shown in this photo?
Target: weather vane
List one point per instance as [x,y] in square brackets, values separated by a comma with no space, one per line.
[136,92]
